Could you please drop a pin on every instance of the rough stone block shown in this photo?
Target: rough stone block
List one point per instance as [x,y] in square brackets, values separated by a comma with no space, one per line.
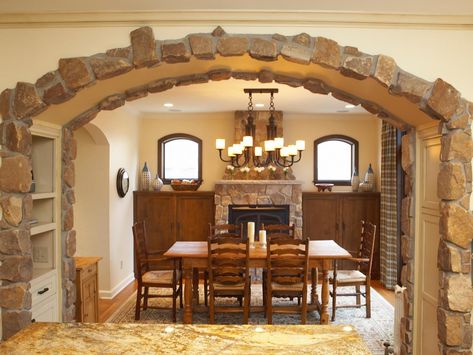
[53,88]
[13,321]
[451,181]
[13,210]
[450,327]
[245,75]
[326,53]
[266,76]
[302,39]
[17,137]
[457,145]
[192,79]
[106,67]
[144,47]
[124,52]
[76,73]
[202,46]
[357,67]
[70,241]
[175,52]
[15,174]
[219,74]
[444,100]
[459,293]
[296,53]
[15,242]
[411,87]
[112,102]
[83,119]
[69,175]
[263,49]
[136,93]
[17,268]
[232,46]
[288,80]
[456,225]
[316,86]
[5,104]
[68,219]
[449,257]
[385,71]
[27,102]
[15,296]
[161,85]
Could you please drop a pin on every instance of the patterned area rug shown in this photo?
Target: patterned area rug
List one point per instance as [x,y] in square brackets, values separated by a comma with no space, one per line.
[375,330]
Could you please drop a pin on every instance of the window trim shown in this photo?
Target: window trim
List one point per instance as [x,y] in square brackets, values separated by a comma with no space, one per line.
[161,153]
[354,151]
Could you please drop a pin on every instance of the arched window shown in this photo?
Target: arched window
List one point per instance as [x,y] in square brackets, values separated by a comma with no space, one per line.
[335,158]
[179,157]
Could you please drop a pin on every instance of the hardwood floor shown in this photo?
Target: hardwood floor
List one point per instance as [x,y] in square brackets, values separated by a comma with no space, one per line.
[108,307]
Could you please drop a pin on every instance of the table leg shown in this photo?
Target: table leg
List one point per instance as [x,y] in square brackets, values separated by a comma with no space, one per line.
[313,291]
[195,285]
[324,317]
[187,316]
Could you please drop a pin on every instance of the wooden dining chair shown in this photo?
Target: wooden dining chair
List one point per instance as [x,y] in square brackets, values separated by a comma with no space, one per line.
[228,269]
[222,230]
[276,231]
[154,271]
[359,276]
[287,262]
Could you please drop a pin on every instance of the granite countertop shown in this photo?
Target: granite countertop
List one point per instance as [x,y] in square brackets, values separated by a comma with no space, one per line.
[112,338]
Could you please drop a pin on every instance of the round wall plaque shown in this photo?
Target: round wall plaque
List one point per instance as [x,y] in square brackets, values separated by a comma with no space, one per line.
[123,182]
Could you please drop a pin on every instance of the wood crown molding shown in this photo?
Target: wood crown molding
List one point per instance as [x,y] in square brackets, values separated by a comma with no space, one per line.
[247,18]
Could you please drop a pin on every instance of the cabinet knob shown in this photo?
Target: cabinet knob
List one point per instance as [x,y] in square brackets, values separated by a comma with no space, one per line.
[44,290]
[33,320]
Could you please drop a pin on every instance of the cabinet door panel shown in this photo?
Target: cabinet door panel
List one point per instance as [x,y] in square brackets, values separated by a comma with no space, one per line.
[89,292]
[320,216]
[158,212]
[194,213]
[353,210]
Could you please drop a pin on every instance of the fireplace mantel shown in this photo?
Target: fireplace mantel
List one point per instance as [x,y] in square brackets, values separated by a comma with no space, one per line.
[258,182]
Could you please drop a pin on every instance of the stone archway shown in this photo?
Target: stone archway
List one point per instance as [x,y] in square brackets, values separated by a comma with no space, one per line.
[81,87]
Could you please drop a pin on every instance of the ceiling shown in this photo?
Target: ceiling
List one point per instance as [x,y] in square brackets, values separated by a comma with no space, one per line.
[439,7]
[228,95]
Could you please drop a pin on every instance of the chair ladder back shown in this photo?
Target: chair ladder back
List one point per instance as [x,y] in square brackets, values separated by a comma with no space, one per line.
[287,260]
[227,230]
[228,260]
[367,244]
[279,230]
[139,241]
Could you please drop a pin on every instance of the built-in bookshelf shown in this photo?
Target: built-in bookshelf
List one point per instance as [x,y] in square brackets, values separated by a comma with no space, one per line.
[45,222]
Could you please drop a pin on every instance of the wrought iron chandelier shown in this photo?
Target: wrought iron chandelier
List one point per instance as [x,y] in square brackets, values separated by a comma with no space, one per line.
[244,153]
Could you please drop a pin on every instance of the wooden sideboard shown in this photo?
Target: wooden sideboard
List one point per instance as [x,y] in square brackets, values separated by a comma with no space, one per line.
[337,216]
[87,286]
[173,216]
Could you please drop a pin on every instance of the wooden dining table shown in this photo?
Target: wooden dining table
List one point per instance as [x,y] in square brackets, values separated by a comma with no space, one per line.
[194,255]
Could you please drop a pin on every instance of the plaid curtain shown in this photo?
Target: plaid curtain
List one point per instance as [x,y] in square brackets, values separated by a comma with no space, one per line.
[389,227]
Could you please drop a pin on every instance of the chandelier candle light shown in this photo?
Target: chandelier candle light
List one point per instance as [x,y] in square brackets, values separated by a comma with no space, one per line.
[244,152]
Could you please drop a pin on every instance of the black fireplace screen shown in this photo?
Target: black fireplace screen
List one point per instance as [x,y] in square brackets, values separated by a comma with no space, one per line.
[267,214]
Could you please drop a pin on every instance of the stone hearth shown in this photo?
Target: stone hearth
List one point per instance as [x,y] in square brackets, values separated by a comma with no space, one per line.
[259,192]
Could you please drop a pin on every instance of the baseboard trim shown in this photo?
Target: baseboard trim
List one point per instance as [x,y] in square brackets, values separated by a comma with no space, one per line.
[109,294]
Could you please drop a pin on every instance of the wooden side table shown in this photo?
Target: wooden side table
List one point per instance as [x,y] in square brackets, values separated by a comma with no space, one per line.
[87,286]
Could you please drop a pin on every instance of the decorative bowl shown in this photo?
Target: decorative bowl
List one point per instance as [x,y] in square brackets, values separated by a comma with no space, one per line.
[185,185]
[323,187]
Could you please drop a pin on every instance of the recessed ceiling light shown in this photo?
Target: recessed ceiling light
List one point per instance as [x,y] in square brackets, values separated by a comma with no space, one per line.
[349,106]
[168,104]
[259,105]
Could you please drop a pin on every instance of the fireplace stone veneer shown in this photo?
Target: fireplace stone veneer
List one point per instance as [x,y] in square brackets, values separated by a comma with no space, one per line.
[259,192]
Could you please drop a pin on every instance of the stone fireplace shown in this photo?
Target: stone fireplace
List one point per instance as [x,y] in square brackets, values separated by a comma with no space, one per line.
[259,193]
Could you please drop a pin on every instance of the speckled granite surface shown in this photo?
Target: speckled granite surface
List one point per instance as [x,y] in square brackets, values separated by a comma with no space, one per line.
[108,338]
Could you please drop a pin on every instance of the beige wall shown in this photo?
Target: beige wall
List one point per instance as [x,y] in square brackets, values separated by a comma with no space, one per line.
[91,210]
[100,210]
[209,126]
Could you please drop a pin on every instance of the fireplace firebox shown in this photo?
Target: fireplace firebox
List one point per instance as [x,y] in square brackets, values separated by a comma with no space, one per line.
[267,214]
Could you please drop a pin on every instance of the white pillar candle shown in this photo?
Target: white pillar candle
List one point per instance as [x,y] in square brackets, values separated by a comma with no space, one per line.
[262,236]
[251,232]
